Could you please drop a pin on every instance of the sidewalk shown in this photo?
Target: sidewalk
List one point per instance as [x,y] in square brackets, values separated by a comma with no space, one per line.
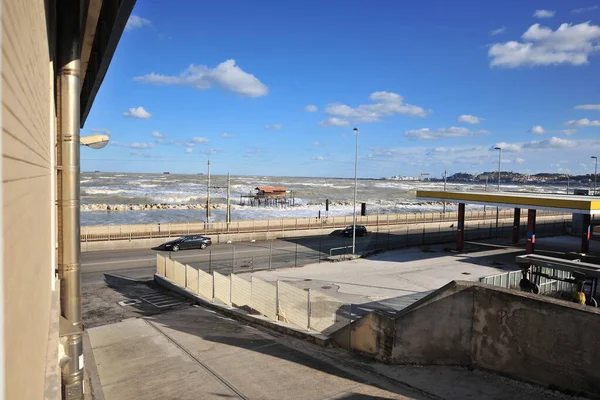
[196,354]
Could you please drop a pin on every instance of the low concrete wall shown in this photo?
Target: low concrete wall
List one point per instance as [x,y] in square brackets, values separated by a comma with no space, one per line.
[216,238]
[521,335]
[103,245]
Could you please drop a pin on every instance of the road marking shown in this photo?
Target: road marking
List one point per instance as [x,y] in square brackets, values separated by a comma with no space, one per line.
[178,258]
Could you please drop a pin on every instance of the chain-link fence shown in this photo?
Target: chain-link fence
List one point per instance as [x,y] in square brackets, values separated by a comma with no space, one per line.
[297,252]
[278,301]
[552,285]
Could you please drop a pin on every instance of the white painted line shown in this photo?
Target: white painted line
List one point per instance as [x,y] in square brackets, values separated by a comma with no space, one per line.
[179,258]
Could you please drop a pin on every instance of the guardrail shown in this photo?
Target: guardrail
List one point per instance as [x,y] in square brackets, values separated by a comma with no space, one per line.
[175,229]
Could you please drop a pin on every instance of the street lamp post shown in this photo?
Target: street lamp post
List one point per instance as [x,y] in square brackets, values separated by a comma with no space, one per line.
[595,174]
[499,169]
[499,163]
[445,175]
[355,191]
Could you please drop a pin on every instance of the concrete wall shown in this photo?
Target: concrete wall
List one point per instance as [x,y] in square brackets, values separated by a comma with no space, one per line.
[537,338]
[521,335]
[27,195]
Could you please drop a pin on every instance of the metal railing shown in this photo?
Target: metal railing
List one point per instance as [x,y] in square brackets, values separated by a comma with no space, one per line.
[175,229]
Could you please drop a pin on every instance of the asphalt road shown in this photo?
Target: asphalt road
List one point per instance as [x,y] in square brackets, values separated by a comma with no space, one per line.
[239,257]
[222,258]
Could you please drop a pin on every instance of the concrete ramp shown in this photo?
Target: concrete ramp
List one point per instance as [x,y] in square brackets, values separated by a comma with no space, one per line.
[532,338]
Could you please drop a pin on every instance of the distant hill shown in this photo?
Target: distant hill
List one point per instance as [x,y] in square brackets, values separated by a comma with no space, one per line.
[517,177]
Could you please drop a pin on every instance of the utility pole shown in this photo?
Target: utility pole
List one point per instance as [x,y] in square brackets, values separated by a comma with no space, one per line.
[208,195]
[355,189]
[445,174]
[568,182]
[595,174]
[228,212]
[499,169]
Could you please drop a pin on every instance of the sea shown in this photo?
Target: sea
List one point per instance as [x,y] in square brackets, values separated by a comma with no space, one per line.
[381,196]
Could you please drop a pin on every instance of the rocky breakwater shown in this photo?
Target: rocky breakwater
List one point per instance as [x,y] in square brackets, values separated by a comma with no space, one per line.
[146,207]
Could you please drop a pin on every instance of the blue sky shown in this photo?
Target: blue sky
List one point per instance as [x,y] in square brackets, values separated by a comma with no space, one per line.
[276,88]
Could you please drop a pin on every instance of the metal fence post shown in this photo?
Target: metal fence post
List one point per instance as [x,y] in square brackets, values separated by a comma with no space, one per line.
[270,254]
[210,261]
[233,260]
[308,309]
[296,256]
[277,300]
[320,242]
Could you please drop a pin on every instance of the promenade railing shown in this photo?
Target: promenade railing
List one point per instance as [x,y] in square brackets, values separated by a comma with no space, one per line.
[175,229]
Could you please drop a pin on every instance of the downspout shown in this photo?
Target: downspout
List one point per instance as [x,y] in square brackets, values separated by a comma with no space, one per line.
[69,84]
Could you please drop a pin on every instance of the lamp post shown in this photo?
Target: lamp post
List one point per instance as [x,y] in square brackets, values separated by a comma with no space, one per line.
[595,174]
[69,266]
[499,169]
[445,175]
[355,191]
[499,163]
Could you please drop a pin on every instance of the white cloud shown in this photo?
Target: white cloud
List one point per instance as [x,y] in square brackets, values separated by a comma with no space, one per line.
[273,127]
[321,143]
[507,147]
[157,134]
[210,152]
[103,131]
[519,160]
[334,121]
[310,108]
[318,158]
[544,13]
[584,122]
[537,129]
[200,139]
[569,44]
[453,131]
[551,143]
[138,112]
[498,31]
[137,145]
[385,104]
[227,135]
[469,119]
[135,21]
[584,9]
[227,75]
[595,107]
[569,131]
[189,149]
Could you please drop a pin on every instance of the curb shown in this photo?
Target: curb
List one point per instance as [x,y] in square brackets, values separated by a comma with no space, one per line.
[241,315]
[91,370]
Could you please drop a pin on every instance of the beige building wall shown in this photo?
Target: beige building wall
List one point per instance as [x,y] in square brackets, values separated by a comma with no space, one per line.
[27,195]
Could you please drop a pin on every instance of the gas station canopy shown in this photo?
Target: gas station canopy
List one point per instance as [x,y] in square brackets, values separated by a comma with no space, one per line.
[539,201]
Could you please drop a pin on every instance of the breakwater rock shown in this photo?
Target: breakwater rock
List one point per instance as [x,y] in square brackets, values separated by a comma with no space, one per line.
[144,207]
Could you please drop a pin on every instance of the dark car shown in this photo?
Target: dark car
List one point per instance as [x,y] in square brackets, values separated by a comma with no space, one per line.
[188,242]
[361,230]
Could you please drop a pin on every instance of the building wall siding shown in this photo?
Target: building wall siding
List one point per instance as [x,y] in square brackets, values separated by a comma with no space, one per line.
[27,166]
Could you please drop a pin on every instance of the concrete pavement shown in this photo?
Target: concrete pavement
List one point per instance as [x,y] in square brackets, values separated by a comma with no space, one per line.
[395,279]
[197,354]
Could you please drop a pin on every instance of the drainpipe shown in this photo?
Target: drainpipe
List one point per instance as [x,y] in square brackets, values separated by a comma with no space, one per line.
[69,84]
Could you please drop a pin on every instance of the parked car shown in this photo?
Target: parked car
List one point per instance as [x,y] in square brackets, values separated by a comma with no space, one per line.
[188,242]
[361,230]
